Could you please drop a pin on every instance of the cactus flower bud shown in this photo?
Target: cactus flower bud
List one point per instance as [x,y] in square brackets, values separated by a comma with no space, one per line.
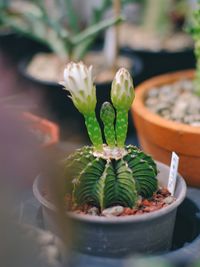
[122,95]
[79,82]
[122,92]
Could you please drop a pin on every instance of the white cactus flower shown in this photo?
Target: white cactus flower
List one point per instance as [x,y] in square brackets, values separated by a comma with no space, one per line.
[122,92]
[78,81]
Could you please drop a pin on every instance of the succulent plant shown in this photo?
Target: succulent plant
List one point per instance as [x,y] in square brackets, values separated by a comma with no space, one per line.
[112,173]
[165,17]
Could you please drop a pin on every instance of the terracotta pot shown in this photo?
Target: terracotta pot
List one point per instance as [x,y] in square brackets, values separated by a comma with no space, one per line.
[159,137]
[100,236]
[45,129]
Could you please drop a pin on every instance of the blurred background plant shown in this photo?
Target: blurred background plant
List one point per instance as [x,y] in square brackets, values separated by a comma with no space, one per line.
[165,16]
[160,26]
[56,24]
[194,29]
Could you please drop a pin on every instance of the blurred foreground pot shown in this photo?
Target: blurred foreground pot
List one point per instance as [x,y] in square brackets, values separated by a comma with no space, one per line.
[118,236]
[159,137]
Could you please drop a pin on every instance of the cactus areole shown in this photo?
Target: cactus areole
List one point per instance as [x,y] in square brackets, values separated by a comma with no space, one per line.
[107,173]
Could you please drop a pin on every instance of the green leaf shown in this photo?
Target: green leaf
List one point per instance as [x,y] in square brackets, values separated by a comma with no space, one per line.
[94,29]
[81,49]
[72,16]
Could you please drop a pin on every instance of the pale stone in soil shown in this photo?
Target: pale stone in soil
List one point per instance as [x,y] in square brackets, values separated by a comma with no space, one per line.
[113,211]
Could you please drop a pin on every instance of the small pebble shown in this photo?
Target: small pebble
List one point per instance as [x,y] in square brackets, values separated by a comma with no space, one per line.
[168,200]
[167,99]
[179,110]
[166,89]
[160,107]
[190,119]
[165,113]
[113,211]
[139,200]
[93,211]
[153,92]
[152,101]
[187,85]
[146,203]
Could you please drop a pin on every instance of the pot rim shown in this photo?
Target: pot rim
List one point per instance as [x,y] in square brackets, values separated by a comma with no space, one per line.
[141,110]
[116,220]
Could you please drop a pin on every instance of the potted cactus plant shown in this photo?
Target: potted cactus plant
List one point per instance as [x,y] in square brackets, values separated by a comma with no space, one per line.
[112,187]
[167,115]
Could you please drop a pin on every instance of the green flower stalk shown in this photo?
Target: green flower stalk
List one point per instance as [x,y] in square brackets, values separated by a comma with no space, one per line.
[122,95]
[107,114]
[79,82]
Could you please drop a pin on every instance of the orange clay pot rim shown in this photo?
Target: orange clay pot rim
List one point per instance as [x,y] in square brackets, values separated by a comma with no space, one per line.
[116,220]
[51,126]
[139,107]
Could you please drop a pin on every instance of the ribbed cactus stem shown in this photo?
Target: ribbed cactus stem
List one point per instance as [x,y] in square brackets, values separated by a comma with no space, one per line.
[94,130]
[121,127]
[107,115]
[107,180]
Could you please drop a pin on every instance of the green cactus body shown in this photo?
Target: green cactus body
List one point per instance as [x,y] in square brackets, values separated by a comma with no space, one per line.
[107,115]
[114,176]
[94,130]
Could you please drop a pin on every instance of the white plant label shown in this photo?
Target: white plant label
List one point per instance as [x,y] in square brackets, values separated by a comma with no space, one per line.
[173,173]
